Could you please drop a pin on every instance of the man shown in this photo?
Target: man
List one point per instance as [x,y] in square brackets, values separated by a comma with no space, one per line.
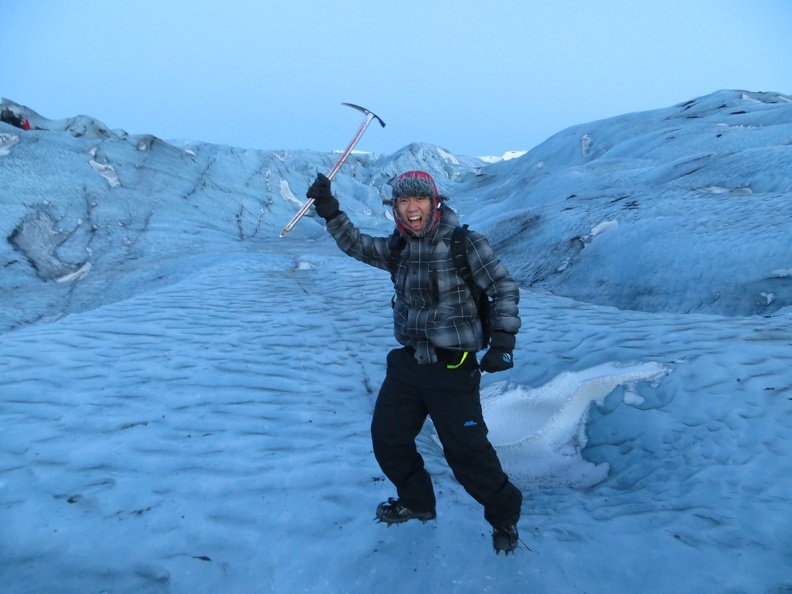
[435,372]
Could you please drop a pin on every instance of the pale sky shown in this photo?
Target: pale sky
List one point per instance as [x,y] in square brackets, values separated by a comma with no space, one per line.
[477,78]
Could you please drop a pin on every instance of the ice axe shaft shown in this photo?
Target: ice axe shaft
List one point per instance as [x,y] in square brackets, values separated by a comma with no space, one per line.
[370,115]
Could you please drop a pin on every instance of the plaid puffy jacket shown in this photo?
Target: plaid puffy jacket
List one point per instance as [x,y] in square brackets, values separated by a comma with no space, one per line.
[433,306]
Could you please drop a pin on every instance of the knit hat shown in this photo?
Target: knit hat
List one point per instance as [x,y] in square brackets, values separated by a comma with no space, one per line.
[414,184]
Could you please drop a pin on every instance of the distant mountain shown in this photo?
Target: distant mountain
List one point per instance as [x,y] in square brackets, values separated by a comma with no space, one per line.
[680,209]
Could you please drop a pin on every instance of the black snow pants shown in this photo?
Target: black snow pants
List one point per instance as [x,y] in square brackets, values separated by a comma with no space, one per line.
[450,395]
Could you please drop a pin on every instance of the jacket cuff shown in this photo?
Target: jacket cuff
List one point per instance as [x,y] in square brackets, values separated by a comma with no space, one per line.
[330,217]
[503,341]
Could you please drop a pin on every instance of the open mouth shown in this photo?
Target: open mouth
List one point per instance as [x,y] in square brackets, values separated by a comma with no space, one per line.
[415,222]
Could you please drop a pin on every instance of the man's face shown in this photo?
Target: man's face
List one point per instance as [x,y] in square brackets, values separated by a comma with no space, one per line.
[414,211]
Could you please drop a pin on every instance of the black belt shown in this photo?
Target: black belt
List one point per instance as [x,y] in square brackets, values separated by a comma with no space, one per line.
[443,355]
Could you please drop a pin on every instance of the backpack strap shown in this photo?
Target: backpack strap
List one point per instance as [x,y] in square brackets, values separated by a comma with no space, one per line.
[459,240]
[396,243]
[459,256]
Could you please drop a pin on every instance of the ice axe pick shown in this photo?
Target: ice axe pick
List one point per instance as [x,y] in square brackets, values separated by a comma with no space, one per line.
[370,115]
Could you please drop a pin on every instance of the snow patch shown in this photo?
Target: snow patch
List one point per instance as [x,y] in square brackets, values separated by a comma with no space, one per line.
[603,227]
[107,172]
[631,395]
[446,156]
[722,190]
[285,191]
[547,425]
[507,156]
[77,275]
[6,142]
[585,142]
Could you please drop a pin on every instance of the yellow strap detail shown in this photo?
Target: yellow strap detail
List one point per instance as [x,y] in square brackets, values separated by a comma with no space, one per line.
[462,360]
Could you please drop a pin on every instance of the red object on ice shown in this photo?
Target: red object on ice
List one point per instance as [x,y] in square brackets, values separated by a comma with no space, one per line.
[26,125]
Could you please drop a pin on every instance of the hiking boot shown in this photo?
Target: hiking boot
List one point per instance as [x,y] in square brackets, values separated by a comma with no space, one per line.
[505,539]
[393,512]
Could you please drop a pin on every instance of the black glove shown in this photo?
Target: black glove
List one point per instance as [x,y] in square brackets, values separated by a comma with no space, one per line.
[325,204]
[499,356]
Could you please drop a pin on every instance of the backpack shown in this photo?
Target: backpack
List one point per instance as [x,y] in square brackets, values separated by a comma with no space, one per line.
[459,257]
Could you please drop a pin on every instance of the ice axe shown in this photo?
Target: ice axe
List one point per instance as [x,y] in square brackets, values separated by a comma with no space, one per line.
[370,115]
